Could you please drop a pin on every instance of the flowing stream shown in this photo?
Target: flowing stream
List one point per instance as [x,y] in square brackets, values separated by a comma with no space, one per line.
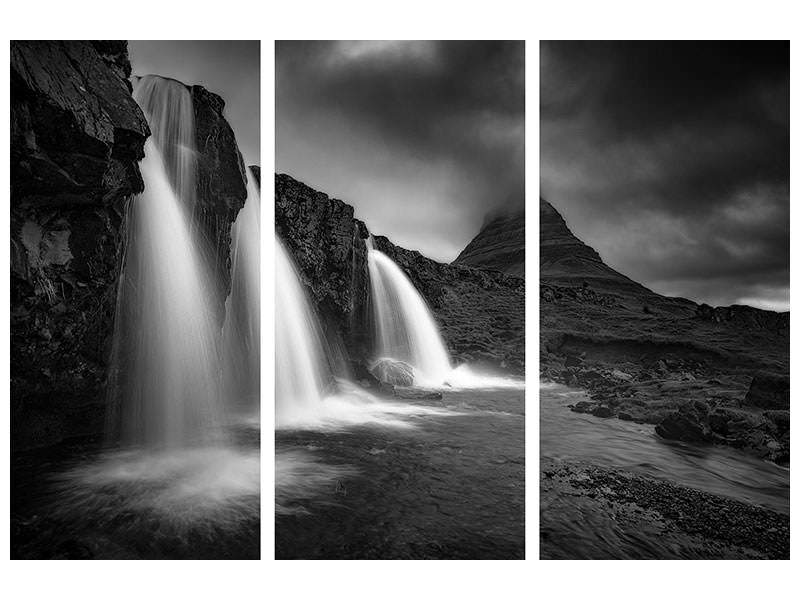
[636,447]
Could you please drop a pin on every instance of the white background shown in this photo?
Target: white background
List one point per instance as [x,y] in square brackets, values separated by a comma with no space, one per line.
[411,19]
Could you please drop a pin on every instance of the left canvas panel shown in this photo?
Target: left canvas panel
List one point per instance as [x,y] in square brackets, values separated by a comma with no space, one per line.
[135,293]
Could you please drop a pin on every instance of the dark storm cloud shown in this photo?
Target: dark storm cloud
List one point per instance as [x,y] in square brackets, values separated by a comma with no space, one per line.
[672,159]
[423,138]
[227,68]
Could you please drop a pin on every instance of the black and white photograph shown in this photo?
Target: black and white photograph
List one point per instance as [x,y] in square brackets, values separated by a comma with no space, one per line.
[664,300]
[400,300]
[135,300]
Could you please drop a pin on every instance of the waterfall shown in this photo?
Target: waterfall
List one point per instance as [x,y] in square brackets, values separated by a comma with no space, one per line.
[164,377]
[404,326]
[301,370]
[242,328]
[406,331]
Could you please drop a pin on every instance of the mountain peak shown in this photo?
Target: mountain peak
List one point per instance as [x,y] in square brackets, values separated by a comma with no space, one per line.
[499,245]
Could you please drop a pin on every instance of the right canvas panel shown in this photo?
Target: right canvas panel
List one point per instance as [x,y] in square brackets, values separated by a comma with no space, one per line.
[664,300]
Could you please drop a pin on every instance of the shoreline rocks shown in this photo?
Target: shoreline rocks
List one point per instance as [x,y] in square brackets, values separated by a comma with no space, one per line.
[686,523]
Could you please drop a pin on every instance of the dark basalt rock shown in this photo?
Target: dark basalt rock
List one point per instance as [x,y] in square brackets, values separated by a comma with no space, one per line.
[392,372]
[481,313]
[76,138]
[684,427]
[746,317]
[328,248]
[221,183]
[768,391]
[256,171]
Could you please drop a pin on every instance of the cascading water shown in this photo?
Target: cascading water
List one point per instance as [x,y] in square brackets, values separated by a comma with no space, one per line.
[242,328]
[404,326]
[164,383]
[185,475]
[406,331]
[301,370]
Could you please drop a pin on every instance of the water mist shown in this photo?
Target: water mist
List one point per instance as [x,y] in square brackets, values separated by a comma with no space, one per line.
[242,328]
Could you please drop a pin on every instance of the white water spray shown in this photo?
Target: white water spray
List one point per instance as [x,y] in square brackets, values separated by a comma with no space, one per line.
[406,331]
[242,328]
[301,370]
[404,326]
[164,378]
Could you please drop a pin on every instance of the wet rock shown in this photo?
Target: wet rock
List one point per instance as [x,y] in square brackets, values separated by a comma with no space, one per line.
[603,412]
[417,393]
[221,184]
[780,419]
[583,407]
[684,427]
[769,391]
[76,138]
[392,372]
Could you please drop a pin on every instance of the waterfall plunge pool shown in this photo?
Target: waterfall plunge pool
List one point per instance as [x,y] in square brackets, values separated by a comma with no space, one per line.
[184,503]
[437,479]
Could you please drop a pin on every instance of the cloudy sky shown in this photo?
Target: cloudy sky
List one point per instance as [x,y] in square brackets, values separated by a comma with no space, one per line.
[230,69]
[422,138]
[672,160]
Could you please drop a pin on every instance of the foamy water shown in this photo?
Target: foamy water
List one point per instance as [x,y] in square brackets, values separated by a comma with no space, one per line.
[180,490]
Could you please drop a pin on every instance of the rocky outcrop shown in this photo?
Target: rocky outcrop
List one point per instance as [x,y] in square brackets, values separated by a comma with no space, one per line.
[481,313]
[746,317]
[500,245]
[76,138]
[327,245]
[221,183]
[256,171]
[768,391]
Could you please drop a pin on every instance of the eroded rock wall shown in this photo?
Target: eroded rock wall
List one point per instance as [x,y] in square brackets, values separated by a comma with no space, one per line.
[481,313]
[76,138]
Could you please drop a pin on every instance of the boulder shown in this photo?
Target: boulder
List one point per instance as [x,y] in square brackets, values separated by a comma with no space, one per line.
[683,426]
[769,391]
[392,372]
[221,184]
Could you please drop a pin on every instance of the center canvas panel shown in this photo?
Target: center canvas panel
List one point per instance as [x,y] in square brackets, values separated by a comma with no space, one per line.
[400,300]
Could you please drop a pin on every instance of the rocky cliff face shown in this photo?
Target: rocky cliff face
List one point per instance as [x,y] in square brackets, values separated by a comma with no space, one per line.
[76,138]
[221,183]
[481,313]
[699,373]
[327,244]
[500,245]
